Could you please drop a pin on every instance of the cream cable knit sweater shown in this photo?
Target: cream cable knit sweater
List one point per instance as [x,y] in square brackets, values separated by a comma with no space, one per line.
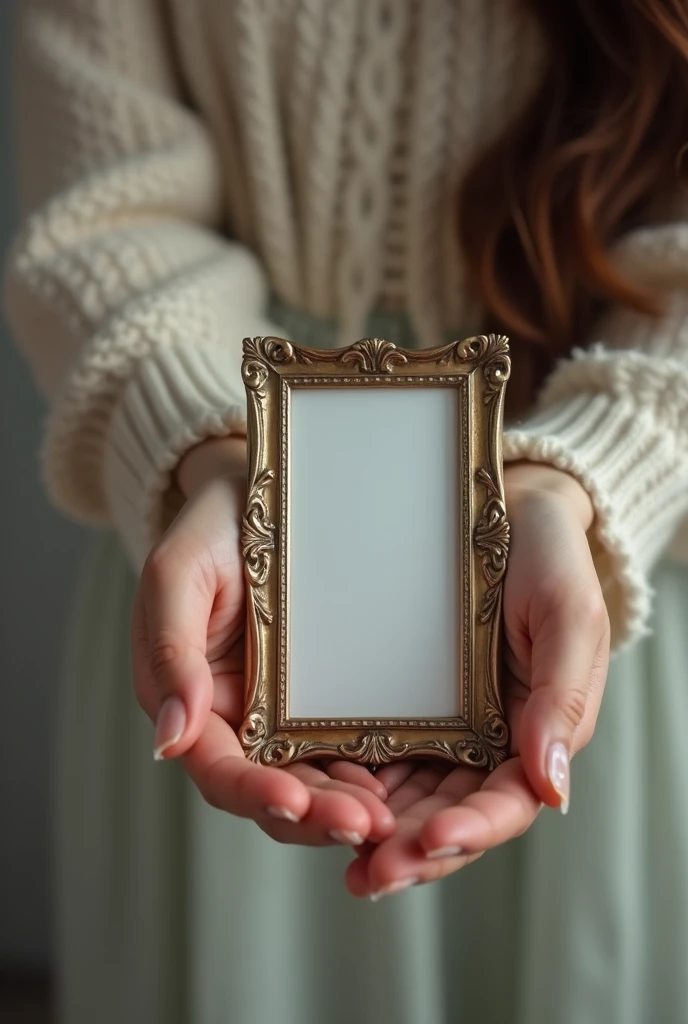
[180,159]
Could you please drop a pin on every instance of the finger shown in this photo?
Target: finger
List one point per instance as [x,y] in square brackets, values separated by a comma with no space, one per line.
[150,694]
[393,775]
[334,818]
[420,784]
[325,824]
[230,782]
[382,820]
[440,835]
[570,654]
[336,808]
[356,874]
[503,808]
[295,805]
[177,678]
[299,804]
[228,674]
[365,849]
[358,775]
[399,863]
[228,694]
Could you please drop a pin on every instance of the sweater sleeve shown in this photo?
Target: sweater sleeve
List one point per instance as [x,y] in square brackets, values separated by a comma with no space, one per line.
[120,287]
[615,415]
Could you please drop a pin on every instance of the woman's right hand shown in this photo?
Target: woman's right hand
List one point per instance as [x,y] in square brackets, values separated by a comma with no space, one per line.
[188,655]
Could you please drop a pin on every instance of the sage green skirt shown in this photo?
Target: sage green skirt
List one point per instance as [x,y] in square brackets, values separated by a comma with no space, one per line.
[170,912]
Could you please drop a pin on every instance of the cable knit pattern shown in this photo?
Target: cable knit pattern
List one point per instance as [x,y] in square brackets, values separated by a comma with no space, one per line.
[183,165]
[377,91]
[428,166]
[322,151]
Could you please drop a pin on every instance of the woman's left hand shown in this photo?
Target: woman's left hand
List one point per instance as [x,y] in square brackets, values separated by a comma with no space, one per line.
[556,657]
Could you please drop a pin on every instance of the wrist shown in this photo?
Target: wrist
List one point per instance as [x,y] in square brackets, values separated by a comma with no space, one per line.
[214,457]
[524,480]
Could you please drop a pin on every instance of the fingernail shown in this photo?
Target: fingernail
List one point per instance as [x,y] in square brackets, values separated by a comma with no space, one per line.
[559,773]
[346,838]
[392,888]
[169,726]
[444,851]
[282,812]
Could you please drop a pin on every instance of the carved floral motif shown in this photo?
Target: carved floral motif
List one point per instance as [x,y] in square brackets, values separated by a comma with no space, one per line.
[492,541]
[374,748]
[253,731]
[258,533]
[373,356]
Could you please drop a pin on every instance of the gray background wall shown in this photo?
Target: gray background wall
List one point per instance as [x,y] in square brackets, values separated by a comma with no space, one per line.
[39,553]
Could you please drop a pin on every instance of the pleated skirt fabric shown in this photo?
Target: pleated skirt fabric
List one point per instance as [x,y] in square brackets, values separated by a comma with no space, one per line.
[170,912]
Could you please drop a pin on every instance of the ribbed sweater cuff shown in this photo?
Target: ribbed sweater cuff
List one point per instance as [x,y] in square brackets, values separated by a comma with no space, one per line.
[176,398]
[627,462]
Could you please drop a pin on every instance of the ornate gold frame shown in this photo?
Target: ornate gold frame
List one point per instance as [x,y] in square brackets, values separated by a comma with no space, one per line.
[479,367]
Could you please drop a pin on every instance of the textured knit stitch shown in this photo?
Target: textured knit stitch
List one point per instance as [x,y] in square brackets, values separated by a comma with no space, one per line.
[180,162]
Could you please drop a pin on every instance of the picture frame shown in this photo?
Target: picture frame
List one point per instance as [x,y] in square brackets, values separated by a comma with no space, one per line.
[314,416]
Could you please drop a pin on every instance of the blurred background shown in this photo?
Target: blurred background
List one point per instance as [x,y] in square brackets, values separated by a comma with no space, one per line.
[39,554]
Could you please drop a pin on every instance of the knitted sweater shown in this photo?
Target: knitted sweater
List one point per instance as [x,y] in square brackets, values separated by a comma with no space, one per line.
[179,161]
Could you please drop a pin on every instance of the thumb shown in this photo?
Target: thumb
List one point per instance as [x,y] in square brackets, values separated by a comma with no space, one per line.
[568,669]
[177,680]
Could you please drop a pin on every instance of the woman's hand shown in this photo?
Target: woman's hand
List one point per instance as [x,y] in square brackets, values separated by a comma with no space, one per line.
[556,657]
[188,653]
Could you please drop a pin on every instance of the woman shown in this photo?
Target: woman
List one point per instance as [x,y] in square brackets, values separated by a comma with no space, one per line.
[197,172]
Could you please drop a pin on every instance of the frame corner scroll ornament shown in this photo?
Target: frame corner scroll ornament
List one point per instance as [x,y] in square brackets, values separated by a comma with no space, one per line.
[479,369]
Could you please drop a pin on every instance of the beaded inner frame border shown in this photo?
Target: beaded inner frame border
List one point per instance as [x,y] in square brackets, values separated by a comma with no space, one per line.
[478,368]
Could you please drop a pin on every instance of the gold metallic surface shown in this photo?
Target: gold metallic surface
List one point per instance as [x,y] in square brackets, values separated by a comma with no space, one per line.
[479,369]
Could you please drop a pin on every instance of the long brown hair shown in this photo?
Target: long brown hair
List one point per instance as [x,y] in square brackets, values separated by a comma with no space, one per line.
[603,135]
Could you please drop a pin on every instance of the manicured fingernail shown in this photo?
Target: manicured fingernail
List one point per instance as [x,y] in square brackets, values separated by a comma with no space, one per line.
[559,773]
[169,727]
[444,851]
[392,888]
[346,838]
[283,812]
